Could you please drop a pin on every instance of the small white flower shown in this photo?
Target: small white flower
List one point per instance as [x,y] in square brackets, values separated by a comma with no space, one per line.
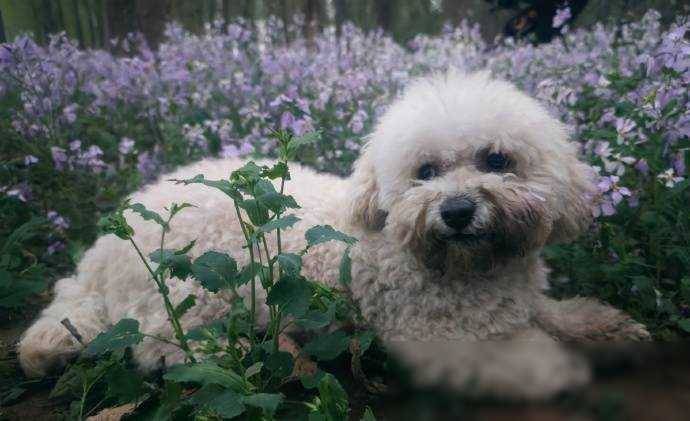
[30,160]
[668,178]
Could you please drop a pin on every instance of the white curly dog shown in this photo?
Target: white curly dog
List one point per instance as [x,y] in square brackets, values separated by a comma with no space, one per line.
[462,183]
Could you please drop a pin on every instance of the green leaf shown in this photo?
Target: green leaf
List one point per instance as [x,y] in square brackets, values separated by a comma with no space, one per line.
[212,330]
[290,263]
[227,404]
[328,346]
[116,224]
[125,333]
[206,373]
[278,170]
[23,233]
[316,319]
[175,208]
[10,395]
[186,248]
[180,265]
[278,202]
[368,415]
[168,403]
[298,142]
[311,381]
[15,288]
[123,385]
[223,185]
[185,305]
[345,272]
[280,223]
[224,403]
[318,416]
[148,215]
[280,364]
[214,270]
[333,398]
[291,295]
[257,212]
[250,171]
[253,370]
[268,402]
[684,324]
[365,338]
[250,271]
[685,289]
[323,233]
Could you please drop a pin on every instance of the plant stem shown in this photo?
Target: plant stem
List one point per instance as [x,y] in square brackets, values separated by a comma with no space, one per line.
[252,314]
[162,288]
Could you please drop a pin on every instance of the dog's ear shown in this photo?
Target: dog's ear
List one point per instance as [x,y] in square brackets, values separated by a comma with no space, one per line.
[574,212]
[364,194]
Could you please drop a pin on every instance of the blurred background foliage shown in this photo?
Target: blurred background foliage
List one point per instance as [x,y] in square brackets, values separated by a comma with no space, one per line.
[92,22]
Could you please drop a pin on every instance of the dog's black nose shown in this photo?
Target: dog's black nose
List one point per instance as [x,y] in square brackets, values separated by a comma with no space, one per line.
[457,212]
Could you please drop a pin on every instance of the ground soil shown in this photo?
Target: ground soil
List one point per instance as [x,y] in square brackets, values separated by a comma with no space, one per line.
[650,382]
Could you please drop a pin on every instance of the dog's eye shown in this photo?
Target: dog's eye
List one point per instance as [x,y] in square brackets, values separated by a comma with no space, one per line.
[427,172]
[496,162]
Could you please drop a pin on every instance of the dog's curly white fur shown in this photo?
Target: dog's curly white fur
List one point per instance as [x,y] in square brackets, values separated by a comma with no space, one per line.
[431,289]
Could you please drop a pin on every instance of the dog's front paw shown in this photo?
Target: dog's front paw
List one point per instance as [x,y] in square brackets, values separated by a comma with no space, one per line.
[47,346]
[630,330]
[514,370]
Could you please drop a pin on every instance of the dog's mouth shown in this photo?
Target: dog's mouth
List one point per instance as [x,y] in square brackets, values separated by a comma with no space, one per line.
[466,239]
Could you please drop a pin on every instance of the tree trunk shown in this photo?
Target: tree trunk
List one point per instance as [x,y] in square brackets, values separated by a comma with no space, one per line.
[226,15]
[311,14]
[47,18]
[60,14]
[77,23]
[285,17]
[212,8]
[384,14]
[152,15]
[119,18]
[92,25]
[105,25]
[3,37]
[340,16]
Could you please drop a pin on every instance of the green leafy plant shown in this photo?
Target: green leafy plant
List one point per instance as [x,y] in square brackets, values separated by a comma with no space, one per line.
[21,274]
[232,366]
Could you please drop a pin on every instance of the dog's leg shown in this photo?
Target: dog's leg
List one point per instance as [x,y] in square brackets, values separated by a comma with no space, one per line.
[585,319]
[530,366]
[48,345]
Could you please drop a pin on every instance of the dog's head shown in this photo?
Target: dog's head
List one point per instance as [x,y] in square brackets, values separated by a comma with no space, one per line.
[464,166]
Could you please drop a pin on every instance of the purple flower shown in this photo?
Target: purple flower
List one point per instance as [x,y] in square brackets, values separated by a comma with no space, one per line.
[286,120]
[54,247]
[624,126]
[195,135]
[561,17]
[59,157]
[607,208]
[58,221]
[357,121]
[5,55]
[70,113]
[75,145]
[146,165]
[642,166]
